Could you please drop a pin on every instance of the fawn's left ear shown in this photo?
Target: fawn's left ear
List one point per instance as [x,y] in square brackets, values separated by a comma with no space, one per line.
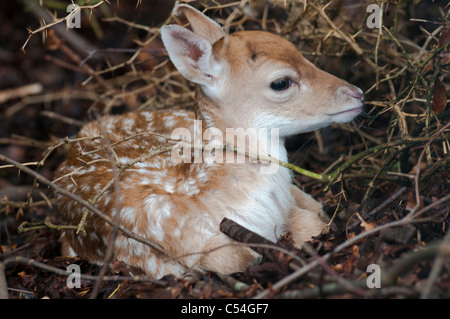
[192,55]
[200,23]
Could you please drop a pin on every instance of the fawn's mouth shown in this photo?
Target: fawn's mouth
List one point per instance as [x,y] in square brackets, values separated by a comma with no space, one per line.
[355,110]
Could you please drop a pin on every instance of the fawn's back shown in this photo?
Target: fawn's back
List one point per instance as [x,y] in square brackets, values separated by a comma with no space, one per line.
[252,80]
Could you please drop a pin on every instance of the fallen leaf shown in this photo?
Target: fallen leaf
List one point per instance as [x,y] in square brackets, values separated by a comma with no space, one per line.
[422,166]
[5,249]
[411,204]
[349,264]
[53,42]
[367,226]
[439,102]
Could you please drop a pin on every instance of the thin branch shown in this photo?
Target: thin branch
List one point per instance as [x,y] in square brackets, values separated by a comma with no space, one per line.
[344,36]
[58,21]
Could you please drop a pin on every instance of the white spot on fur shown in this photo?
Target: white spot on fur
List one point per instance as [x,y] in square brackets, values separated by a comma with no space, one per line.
[128,214]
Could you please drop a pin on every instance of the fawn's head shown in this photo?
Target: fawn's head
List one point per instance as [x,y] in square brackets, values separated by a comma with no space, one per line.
[257,79]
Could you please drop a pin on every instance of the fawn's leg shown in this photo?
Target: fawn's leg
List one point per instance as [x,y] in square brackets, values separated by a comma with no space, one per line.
[305,219]
[304,224]
[220,255]
[305,201]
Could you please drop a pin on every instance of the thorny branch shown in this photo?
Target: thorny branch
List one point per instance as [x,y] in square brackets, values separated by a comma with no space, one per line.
[61,20]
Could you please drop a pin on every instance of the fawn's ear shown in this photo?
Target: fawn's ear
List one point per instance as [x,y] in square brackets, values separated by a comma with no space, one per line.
[191,54]
[200,24]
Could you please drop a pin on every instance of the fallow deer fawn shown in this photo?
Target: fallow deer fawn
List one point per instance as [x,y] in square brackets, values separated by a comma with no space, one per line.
[249,79]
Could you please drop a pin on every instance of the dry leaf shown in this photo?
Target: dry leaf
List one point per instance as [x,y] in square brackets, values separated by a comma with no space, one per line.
[367,226]
[412,202]
[422,166]
[53,42]
[349,264]
[5,249]
[439,102]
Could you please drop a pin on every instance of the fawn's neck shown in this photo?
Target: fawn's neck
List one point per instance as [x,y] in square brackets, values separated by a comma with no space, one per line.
[265,185]
[266,142]
[207,112]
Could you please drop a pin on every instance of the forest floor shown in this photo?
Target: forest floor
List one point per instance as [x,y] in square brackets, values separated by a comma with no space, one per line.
[385,177]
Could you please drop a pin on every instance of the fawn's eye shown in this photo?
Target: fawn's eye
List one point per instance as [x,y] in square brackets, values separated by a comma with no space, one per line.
[281,84]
